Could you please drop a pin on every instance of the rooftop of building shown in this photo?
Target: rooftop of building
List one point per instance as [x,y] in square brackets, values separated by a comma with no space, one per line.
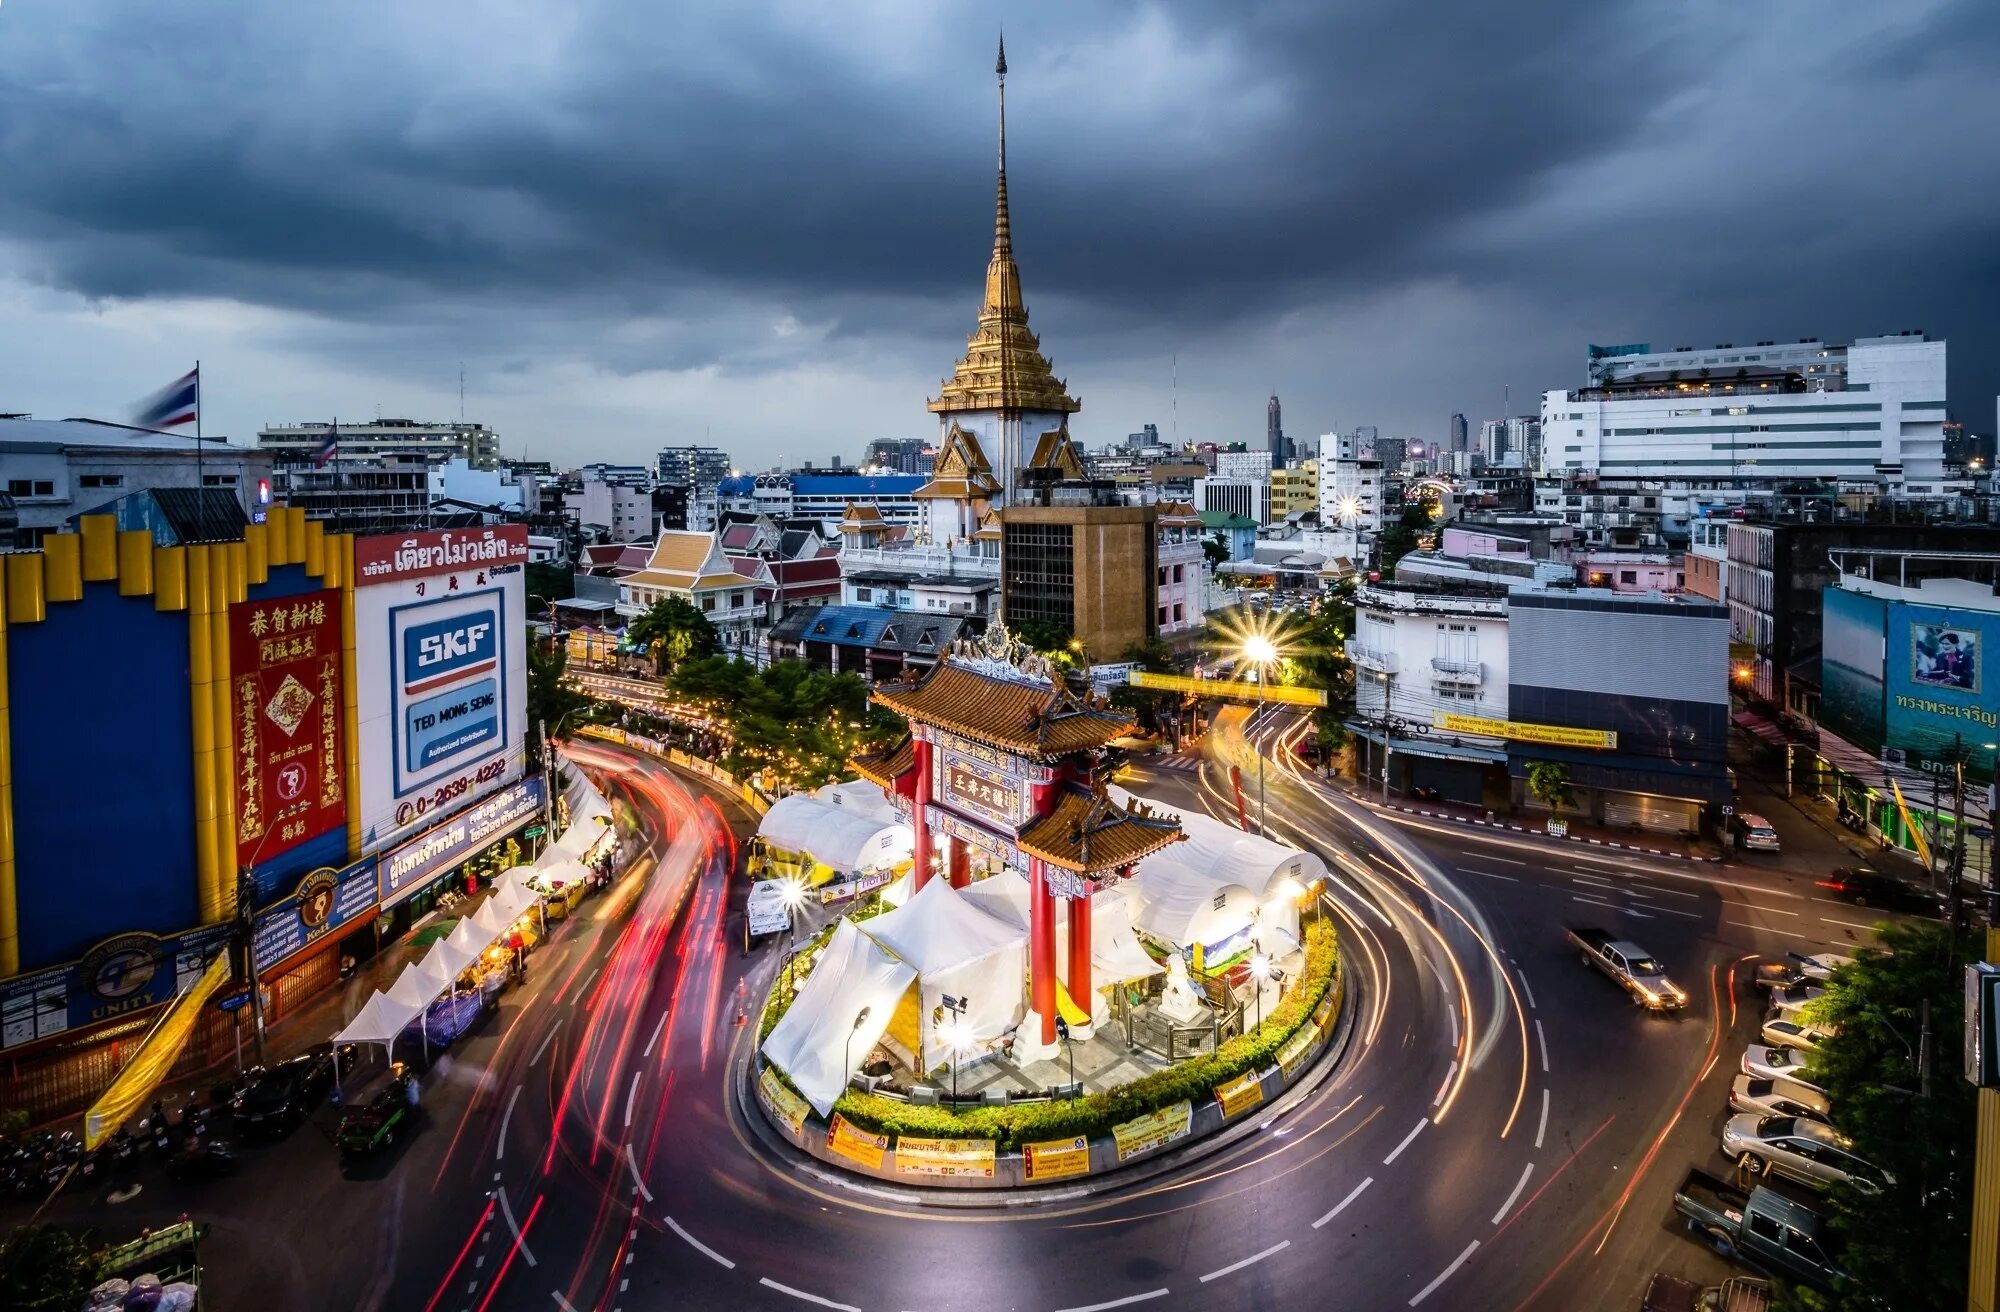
[955,582]
[1016,713]
[872,627]
[62,434]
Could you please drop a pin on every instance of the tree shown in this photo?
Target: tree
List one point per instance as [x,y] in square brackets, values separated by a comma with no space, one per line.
[1215,549]
[673,631]
[1904,1247]
[1320,661]
[548,583]
[1156,710]
[550,694]
[42,1267]
[1400,538]
[1548,783]
[1044,636]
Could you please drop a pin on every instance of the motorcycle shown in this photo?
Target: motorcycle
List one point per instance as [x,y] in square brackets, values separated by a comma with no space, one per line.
[1426,793]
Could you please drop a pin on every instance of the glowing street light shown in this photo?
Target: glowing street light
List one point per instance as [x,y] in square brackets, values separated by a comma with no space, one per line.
[1261,971]
[1262,653]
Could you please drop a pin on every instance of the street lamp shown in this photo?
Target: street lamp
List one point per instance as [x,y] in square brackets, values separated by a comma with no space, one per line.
[1069,1050]
[1260,970]
[792,892]
[1261,652]
[955,1036]
[860,1019]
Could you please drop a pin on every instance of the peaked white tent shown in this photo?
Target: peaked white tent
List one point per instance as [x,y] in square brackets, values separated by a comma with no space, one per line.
[1115,954]
[957,949]
[469,936]
[445,961]
[839,1014]
[1257,863]
[837,837]
[858,796]
[1003,895]
[897,891]
[380,1021]
[1186,905]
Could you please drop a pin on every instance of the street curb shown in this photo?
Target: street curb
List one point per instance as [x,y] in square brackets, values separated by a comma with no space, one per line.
[1536,833]
[1118,1177]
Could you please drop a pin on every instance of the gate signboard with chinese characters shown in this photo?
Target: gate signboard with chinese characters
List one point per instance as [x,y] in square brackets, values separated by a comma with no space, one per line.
[285,722]
[989,791]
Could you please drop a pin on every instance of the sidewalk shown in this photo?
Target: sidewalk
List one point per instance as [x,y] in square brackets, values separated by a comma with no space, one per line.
[1579,831]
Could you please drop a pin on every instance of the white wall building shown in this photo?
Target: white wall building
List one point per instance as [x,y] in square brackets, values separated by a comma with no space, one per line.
[1350,495]
[1250,498]
[1420,653]
[1873,410]
[626,510]
[1248,465]
[56,468]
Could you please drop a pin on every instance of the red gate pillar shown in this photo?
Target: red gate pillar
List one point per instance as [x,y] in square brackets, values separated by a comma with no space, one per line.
[920,817]
[1042,953]
[958,860]
[1080,991]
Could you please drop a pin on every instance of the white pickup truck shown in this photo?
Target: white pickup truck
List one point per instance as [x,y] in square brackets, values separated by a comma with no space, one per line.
[1631,966]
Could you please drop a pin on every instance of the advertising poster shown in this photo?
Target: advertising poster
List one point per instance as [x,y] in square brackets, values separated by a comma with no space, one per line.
[1852,666]
[956,1158]
[442,655]
[1154,1130]
[1240,1094]
[324,900]
[285,722]
[784,1106]
[405,871]
[1297,1048]
[843,1140]
[1941,696]
[1056,1159]
[121,976]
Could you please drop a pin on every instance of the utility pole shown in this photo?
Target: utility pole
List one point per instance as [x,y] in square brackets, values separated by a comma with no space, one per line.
[1386,678]
[247,941]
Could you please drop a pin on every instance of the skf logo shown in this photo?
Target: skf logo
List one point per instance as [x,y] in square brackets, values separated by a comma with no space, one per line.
[446,651]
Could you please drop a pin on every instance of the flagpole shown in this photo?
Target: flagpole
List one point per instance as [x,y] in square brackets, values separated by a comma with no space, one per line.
[200,483]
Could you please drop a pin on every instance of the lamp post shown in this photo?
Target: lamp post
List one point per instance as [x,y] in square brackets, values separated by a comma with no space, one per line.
[1069,1050]
[793,893]
[1260,651]
[860,1019]
[1260,970]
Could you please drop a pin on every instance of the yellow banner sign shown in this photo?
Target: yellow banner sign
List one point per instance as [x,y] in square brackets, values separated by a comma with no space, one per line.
[609,733]
[856,1145]
[1056,1159]
[949,1157]
[1153,1130]
[785,1107]
[1297,1048]
[1234,689]
[1554,735]
[1240,1094]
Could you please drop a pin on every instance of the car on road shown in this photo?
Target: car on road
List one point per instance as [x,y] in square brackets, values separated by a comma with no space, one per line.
[276,1100]
[1798,968]
[1764,1062]
[1630,966]
[1871,888]
[1785,1001]
[1798,1149]
[1754,833]
[1774,1097]
[1795,1034]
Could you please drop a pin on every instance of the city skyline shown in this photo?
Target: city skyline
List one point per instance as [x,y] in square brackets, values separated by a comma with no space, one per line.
[610,286]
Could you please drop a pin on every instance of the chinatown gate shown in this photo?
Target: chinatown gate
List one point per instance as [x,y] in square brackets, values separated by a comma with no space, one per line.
[1001,770]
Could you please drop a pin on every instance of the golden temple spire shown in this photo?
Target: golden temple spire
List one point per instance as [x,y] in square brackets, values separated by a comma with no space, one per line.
[1003,368]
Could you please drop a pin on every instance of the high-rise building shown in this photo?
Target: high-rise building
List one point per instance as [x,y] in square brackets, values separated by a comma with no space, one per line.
[1252,465]
[1457,434]
[899,455]
[699,467]
[1148,435]
[476,444]
[1392,451]
[1350,495]
[1274,433]
[1493,441]
[1075,557]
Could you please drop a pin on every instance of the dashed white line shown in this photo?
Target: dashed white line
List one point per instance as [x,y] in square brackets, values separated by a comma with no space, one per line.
[1592,879]
[1444,1275]
[1251,1260]
[564,1303]
[657,1031]
[632,1161]
[508,1212]
[1770,911]
[500,1148]
[810,1298]
[1446,1085]
[1492,874]
[1849,923]
[1670,892]
[1504,860]
[1116,1302]
[632,1097]
[1691,915]
[1767,929]
[1542,1040]
[1418,1129]
[699,1246]
[545,1044]
[1634,911]
[589,981]
[1340,1206]
[1594,901]
[1542,1127]
[1525,989]
[1519,1185]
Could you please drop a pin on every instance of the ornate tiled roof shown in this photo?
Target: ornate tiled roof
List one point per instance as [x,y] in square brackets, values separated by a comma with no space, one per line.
[961,471]
[885,767]
[1088,832]
[1055,449]
[1031,717]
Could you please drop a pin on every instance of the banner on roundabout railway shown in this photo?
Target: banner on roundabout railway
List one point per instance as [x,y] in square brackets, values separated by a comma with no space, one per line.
[1157,1129]
[844,1140]
[785,1107]
[1240,1094]
[1296,1049]
[1057,1159]
[956,1158]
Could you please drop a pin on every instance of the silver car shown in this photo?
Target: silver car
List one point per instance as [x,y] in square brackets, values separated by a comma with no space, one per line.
[1774,1063]
[1799,1149]
[1795,1034]
[1785,1001]
[1774,1097]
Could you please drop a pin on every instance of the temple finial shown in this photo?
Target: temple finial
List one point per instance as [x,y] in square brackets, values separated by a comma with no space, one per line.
[1001,66]
[1003,237]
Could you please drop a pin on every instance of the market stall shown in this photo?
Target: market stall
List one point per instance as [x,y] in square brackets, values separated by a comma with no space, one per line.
[839,1014]
[959,951]
[820,842]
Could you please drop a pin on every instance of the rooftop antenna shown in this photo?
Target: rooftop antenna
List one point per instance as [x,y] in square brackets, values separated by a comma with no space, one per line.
[1174,385]
[461,391]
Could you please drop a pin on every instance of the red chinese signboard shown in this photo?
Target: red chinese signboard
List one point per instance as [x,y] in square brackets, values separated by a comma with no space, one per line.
[285,720]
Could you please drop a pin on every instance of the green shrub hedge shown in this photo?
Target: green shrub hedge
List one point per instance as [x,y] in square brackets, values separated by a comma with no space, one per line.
[1093,1115]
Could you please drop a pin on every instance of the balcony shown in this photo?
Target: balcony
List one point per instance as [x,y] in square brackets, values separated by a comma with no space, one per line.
[1457,673]
[1371,659]
[920,561]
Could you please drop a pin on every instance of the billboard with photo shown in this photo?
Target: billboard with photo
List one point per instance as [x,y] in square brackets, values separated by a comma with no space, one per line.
[285,722]
[440,645]
[1940,696]
[1852,625]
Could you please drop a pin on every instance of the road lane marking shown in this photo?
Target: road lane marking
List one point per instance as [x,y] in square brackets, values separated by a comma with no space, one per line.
[1446,1085]
[1850,924]
[589,981]
[1251,1260]
[545,1044]
[1689,915]
[699,1246]
[1116,1302]
[1670,892]
[1593,901]
[1490,874]
[1769,911]
[631,1097]
[519,1243]
[1767,929]
[812,1298]
[1592,880]
[1444,1275]
[657,1031]
[564,1303]
[1542,1127]
[1406,1141]
[1503,860]
[1519,1185]
[1543,1040]
[1634,911]
[1340,1206]
[500,1148]
[632,1161]
[1593,861]
[1523,977]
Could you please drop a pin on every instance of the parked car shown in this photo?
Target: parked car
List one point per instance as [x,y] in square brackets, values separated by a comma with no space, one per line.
[1785,1001]
[1871,888]
[277,1099]
[1798,1149]
[1672,1294]
[1630,966]
[1763,1062]
[1798,968]
[1754,833]
[1795,1034]
[1777,1235]
[1774,1097]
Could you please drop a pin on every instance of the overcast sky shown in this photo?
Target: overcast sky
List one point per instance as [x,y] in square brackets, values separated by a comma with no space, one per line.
[637,223]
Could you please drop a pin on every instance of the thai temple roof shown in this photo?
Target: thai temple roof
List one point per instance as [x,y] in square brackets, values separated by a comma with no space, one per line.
[1030,717]
[1086,831]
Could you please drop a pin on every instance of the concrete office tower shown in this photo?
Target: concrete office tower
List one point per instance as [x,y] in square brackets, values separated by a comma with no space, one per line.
[1274,431]
[1457,434]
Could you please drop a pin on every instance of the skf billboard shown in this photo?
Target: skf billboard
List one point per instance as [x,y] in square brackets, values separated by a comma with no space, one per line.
[440,646]
[285,722]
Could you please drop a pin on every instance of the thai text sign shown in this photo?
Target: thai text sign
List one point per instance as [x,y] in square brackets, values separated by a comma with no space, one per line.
[1153,1130]
[784,1106]
[980,789]
[393,556]
[1234,689]
[1056,1159]
[1553,735]
[285,722]
[1295,1051]
[325,900]
[1240,1094]
[417,862]
[856,1145]
[961,1158]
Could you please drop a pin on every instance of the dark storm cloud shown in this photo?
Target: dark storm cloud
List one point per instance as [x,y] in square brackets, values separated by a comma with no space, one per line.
[532,178]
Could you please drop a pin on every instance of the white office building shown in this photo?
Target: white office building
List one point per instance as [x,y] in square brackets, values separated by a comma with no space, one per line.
[472,442]
[1871,413]
[1350,495]
[1425,651]
[1248,497]
[1249,465]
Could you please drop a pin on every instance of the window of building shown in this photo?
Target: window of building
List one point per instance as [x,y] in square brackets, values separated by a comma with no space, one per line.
[735,600]
[1179,576]
[864,594]
[100,480]
[1178,612]
[30,487]
[1628,576]
[1162,572]
[708,602]
[218,480]
[1161,617]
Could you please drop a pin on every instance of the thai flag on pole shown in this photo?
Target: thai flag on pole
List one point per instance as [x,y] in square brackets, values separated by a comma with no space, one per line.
[173,405]
[328,446]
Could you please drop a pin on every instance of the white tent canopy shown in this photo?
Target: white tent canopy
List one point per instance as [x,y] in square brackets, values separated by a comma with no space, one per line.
[957,949]
[858,796]
[445,961]
[1177,902]
[1002,895]
[561,870]
[471,936]
[379,1021]
[1115,954]
[836,836]
[840,1012]
[1257,863]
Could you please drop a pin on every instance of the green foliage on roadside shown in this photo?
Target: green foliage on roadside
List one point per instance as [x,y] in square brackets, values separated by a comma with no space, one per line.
[1549,782]
[1093,1115]
[800,723]
[42,1267]
[674,631]
[1905,1247]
